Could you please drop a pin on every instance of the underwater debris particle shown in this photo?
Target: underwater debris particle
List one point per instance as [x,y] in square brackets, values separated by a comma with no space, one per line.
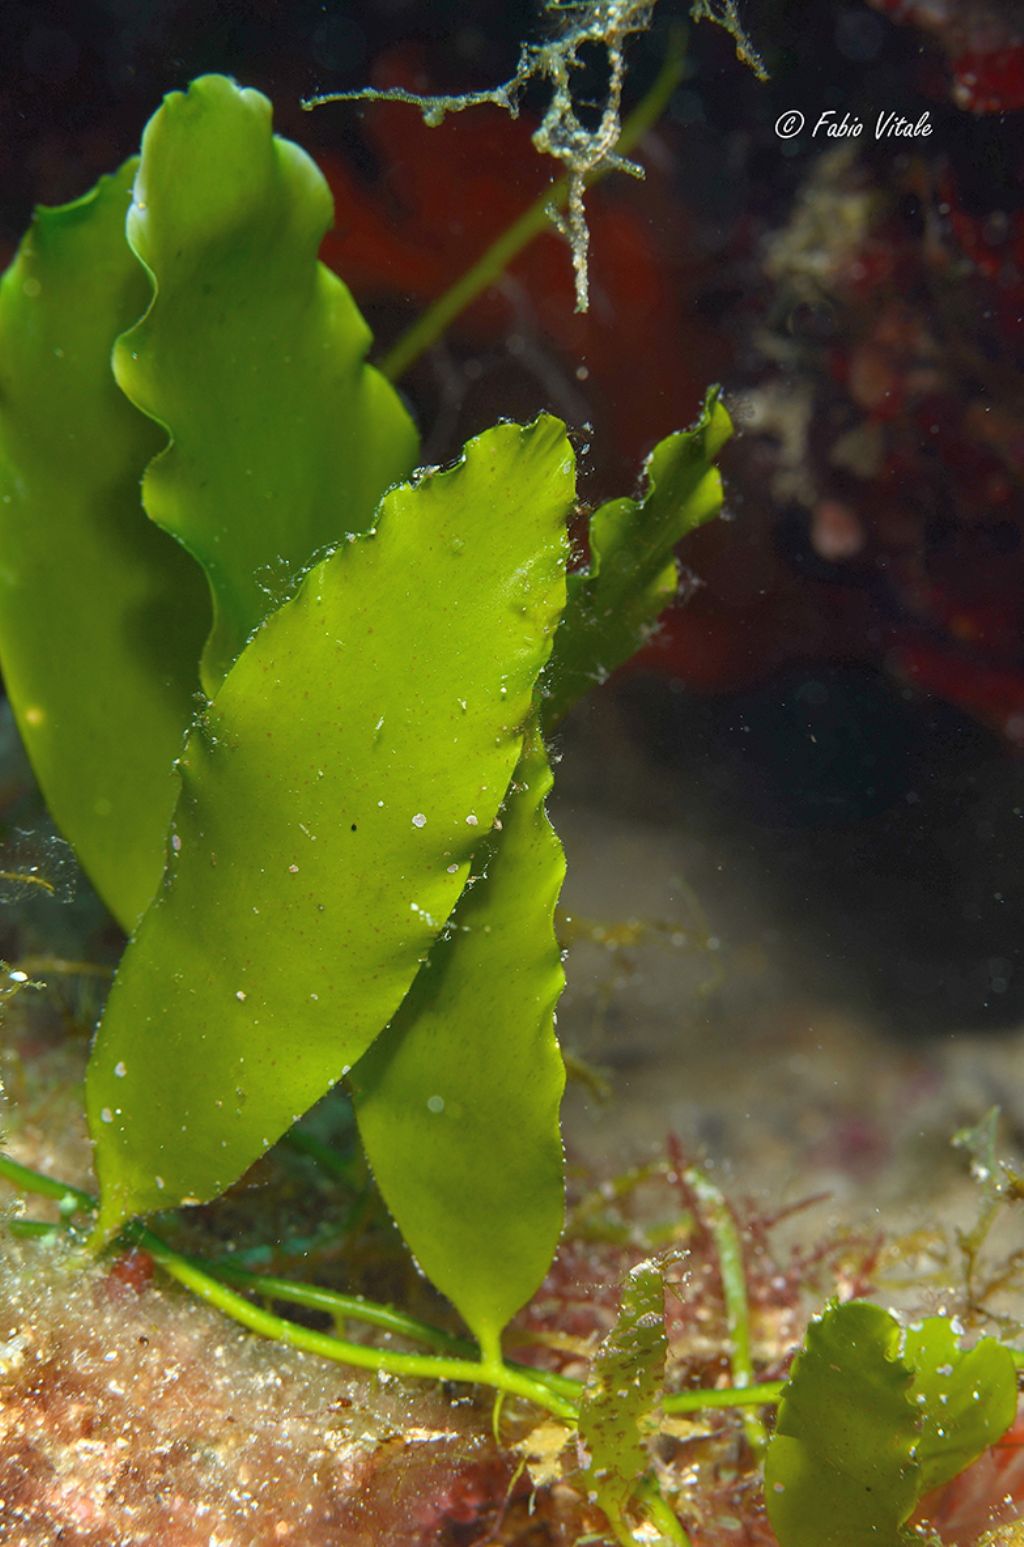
[583,152]
[33,862]
[419,820]
[724,14]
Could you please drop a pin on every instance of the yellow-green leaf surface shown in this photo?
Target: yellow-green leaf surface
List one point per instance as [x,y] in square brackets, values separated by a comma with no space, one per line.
[332,798]
[623,1394]
[840,1469]
[458,1099]
[102,616]
[633,576]
[447,1114]
[252,356]
[966,1400]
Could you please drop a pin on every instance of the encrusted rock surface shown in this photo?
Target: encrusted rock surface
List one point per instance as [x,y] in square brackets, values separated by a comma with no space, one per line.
[130,1414]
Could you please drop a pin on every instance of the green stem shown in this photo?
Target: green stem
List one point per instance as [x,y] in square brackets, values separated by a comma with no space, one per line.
[488,268]
[358,1308]
[426,1366]
[44,1186]
[26,1229]
[335,1165]
[342,1306]
[661,1514]
[717,1216]
[621,1528]
[764,1394]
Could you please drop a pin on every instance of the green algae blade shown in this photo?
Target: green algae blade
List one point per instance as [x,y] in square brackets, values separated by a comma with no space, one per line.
[840,1468]
[252,358]
[632,577]
[622,1399]
[967,1398]
[102,616]
[458,1100]
[332,799]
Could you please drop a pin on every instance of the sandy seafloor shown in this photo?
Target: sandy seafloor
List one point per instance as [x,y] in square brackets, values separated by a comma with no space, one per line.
[129,1414]
[735,1016]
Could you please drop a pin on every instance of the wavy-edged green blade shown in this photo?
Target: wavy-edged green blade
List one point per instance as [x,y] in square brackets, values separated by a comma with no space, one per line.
[102,616]
[458,1100]
[623,1394]
[840,1468]
[252,356]
[966,1399]
[633,576]
[332,798]
[441,1096]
